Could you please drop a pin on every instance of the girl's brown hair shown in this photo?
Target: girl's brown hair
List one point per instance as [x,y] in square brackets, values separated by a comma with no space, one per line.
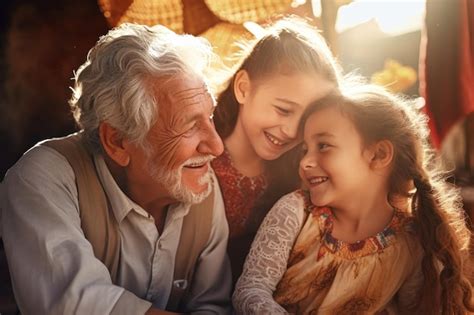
[436,205]
[289,45]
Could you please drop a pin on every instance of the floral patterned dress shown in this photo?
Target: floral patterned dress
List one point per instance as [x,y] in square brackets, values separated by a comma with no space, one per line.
[240,194]
[296,266]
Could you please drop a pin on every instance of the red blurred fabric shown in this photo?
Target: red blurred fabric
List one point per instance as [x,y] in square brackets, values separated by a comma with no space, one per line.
[447,64]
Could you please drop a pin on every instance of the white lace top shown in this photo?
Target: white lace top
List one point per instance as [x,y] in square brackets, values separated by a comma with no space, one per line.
[294,260]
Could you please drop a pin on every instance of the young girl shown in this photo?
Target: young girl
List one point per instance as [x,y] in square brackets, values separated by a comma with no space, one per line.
[348,243]
[257,116]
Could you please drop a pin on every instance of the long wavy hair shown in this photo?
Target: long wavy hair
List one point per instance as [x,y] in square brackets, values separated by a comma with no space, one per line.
[295,46]
[436,204]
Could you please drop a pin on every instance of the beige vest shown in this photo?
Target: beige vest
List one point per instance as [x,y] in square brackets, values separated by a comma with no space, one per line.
[101,229]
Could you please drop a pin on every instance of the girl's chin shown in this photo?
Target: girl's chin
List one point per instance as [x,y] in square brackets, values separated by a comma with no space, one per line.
[273,153]
[269,156]
[269,151]
[318,202]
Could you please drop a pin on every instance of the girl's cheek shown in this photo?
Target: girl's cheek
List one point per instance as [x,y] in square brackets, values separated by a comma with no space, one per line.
[300,173]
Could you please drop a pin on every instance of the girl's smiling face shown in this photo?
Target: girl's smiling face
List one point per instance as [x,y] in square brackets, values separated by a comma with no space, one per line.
[271,109]
[336,165]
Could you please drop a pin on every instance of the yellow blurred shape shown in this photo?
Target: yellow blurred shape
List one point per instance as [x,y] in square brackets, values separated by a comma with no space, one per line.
[395,76]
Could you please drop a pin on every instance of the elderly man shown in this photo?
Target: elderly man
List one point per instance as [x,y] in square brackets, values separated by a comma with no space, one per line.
[105,220]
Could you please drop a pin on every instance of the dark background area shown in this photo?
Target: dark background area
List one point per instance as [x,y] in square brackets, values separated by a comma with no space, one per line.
[43,42]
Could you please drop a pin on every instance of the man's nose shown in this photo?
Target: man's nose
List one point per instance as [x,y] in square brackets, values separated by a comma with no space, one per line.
[211,142]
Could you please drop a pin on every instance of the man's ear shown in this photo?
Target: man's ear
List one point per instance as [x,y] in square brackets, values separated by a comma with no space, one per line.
[381,154]
[113,144]
[241,86]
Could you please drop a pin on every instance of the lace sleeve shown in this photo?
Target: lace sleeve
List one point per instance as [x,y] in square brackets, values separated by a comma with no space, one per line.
[267,260]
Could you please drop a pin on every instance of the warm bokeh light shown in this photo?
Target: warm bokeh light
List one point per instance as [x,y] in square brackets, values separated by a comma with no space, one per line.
[395,76]
[394,17]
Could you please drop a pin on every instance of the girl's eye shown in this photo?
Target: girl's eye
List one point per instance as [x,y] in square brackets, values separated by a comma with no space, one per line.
[282,110]
[323,146]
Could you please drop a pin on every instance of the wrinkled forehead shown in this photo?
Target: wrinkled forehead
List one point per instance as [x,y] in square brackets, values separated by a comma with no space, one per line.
[181,92]
[179,86]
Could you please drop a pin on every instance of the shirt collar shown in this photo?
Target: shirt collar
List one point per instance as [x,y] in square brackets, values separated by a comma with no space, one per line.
[121,203]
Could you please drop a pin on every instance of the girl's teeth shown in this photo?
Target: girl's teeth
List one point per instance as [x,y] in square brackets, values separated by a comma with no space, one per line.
[318,180]
[273,140]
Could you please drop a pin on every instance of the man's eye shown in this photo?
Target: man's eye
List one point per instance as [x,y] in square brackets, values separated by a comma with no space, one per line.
[193,127]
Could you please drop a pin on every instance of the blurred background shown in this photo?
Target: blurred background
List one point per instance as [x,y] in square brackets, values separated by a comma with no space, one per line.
[422,48]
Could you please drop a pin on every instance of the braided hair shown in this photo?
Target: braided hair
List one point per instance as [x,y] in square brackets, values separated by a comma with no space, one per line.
[436,204]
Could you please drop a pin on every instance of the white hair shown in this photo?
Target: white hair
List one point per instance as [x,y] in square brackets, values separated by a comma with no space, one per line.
[111,86]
